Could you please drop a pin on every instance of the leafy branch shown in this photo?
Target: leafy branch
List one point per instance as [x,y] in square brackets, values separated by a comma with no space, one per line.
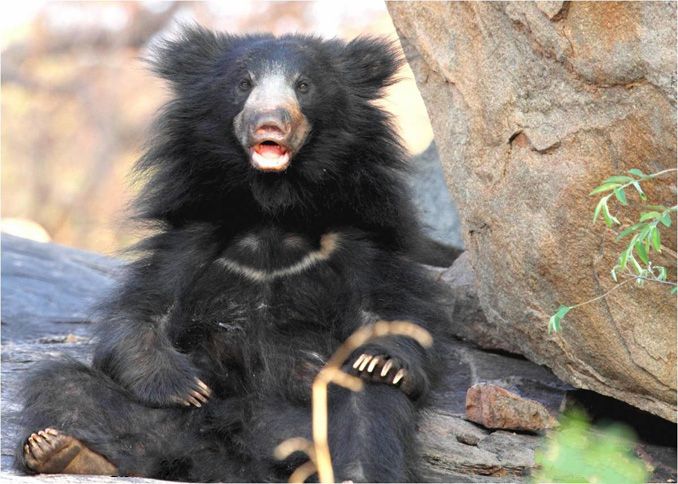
[634,262]
[579,451]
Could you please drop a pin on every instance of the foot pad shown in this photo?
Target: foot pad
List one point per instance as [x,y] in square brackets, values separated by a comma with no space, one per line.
[51,452]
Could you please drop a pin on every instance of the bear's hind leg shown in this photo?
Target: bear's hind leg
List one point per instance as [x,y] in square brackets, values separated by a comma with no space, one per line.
[51,452]
[371,435]
[95,417]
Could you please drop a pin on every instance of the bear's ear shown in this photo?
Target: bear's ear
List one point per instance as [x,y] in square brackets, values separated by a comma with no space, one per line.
[370,63]
[189,55]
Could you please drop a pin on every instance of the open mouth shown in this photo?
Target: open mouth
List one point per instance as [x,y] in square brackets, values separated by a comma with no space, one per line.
[269,156]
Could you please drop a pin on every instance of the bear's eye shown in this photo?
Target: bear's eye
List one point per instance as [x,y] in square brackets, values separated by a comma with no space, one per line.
[302,87]
[245,85]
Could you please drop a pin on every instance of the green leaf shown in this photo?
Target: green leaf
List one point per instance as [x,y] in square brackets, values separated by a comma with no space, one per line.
[596,212]
[621,196]
[647,244]
[643,233]
[662,273]
[554,321]
[640,191]
[563,310]
[666,219]
[629,230]
[650,216]
[619,179]
[624,256]
[642,253]
[636,172]
[609,218]
[554,324]
[658,208]
[636,266]
[605,187]
[674,289]
[578,452]
[656,239]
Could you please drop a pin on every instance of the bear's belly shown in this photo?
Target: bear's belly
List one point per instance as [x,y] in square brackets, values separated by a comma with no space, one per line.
[269,316]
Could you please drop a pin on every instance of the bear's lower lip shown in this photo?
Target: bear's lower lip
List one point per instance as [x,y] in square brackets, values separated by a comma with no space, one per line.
[269,156]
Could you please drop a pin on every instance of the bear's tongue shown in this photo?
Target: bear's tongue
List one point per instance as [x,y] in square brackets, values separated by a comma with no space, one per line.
[270,156]
[270,150]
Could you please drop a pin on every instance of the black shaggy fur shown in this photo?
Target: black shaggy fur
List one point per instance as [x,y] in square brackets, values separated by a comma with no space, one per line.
[180,314]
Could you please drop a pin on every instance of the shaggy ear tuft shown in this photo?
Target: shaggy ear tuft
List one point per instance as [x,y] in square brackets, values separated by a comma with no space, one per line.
[370,64]
[188,55]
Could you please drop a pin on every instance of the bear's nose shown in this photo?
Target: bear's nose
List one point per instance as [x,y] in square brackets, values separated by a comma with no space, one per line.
[274,122]
[269,129]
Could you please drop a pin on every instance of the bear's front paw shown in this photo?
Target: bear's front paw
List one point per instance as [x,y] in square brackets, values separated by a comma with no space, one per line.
[171,380]
[196,396]
[160,391]
[383,368]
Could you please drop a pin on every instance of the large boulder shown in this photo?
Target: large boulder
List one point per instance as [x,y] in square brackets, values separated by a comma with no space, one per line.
[532,105]
[432,200]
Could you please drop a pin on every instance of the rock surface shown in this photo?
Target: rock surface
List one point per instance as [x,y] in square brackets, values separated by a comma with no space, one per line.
[468,319]
[31,307]
[532,105]
[454,449]
[495,407]
[432,198]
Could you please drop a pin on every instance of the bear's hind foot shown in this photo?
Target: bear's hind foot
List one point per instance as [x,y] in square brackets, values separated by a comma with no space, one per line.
[51,452]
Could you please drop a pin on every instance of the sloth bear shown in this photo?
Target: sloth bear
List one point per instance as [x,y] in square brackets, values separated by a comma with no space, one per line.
[282,225]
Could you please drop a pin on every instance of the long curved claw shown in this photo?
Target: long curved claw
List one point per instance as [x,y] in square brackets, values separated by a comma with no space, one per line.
[386,368]
[40,442]
[375,361]
[365,362]
[358,361]
[400,374]
[203,388]
[199,396]
[201,391]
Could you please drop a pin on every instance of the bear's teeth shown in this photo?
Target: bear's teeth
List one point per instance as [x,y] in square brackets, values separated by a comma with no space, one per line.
[270,163]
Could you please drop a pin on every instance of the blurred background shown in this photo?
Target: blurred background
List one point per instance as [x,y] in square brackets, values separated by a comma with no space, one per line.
[77,101]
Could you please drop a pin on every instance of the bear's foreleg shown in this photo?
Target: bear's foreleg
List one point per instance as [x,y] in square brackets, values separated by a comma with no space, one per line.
[140,357]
